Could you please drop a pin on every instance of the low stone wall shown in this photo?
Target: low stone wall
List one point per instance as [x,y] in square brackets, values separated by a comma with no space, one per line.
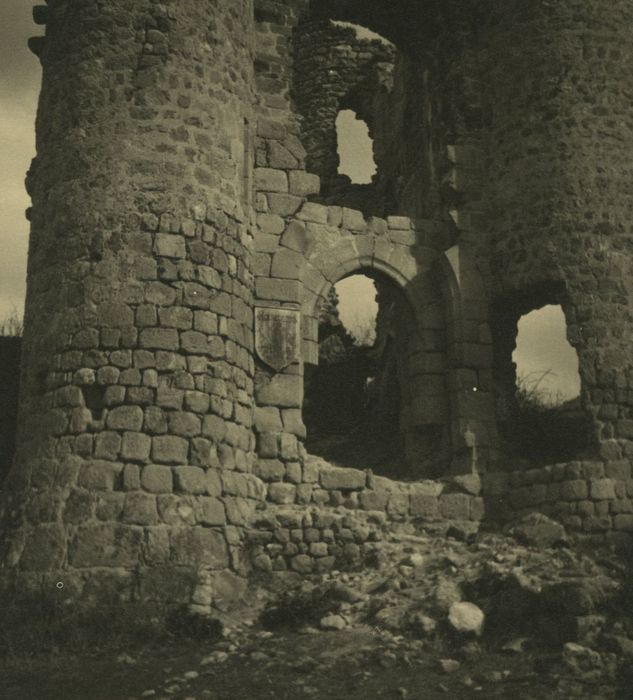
[9,386]
[317,482]
[319,516]
[586,497]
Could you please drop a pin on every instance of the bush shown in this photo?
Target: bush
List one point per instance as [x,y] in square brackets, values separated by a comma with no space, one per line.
[541,427]
[12,325]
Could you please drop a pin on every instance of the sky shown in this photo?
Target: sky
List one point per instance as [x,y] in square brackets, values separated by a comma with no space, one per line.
[541,343]
[19,86]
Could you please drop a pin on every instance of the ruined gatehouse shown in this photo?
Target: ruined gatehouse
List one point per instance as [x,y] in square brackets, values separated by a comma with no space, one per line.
[189,219]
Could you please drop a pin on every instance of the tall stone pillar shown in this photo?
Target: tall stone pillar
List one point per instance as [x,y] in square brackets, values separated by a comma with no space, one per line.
[557,101]
[135,446]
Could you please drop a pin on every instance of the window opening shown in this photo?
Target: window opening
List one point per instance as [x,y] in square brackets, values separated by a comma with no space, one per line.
[355,148]
[546,424]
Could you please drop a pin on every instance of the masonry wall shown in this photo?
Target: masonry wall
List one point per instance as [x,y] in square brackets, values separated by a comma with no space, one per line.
[134,457]
[173,196]
[9,386]
[557,186]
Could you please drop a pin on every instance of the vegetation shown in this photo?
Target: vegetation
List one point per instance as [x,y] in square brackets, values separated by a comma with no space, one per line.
[542,428]
[39,625]
[12,325]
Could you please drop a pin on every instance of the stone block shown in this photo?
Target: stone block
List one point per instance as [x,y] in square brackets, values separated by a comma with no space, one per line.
[140,509]
[136,446]
[342,479]
[281,493]
[213,512]
[293,422]
[267,419]
[623,521]
[289,448]
[270,180]
[106,545]
[284,390]
[601,489]
[398,505]
[107,445]
[295,237]
[401,223]
[284,204]
[131,477]
[157,478]
[125,418]
[213,482]
[373,500]
[310,472]
[574,490]
[159,339]
[170,246]
[99,475]
[214,428]
[353,220]
[44,548]
[190,480]
[455,506]
[278,290]
[280,157]
[268,445]
[620,470]
[293,472]
[425,507]
[270,470]
[271,224]
[302,183]
[311,211]
[184,423]
[169,449]
[239,511]
[287,264]
[199,546]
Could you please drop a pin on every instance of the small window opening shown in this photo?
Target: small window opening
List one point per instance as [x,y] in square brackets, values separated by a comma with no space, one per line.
[546,362]
[352,398]
[362,33]
[94,398]
[355,148]
[547,424]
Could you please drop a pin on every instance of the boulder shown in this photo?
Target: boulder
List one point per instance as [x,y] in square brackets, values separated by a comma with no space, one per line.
[466,618]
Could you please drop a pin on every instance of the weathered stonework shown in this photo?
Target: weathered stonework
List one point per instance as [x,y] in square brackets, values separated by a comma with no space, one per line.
[186,176]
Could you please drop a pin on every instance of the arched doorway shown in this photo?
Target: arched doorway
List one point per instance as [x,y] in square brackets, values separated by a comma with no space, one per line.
[362,399]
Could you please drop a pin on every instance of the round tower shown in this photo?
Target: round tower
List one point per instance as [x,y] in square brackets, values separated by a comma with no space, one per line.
[557,92]
[135,447]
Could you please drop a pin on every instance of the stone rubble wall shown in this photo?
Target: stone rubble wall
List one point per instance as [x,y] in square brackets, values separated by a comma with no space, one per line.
[339,514]
[590,498]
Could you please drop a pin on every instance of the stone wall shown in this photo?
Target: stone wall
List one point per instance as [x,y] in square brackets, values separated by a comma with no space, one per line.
[133,465]
[9,386]
[175,188]
[589,498]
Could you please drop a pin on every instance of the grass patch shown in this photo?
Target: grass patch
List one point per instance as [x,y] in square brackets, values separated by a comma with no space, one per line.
[38,625]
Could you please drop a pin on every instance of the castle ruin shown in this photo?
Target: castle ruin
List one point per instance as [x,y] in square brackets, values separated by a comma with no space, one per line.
[188,220]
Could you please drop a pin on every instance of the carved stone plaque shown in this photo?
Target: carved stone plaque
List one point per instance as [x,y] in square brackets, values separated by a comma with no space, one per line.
[277,336]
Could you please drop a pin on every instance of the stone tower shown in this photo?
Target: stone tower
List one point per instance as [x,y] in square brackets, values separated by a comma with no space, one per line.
[188,220]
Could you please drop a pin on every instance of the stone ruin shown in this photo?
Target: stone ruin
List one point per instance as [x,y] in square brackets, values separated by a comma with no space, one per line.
[188,220]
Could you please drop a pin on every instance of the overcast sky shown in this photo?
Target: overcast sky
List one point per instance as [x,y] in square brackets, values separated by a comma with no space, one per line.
[542,345]
[19,86]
